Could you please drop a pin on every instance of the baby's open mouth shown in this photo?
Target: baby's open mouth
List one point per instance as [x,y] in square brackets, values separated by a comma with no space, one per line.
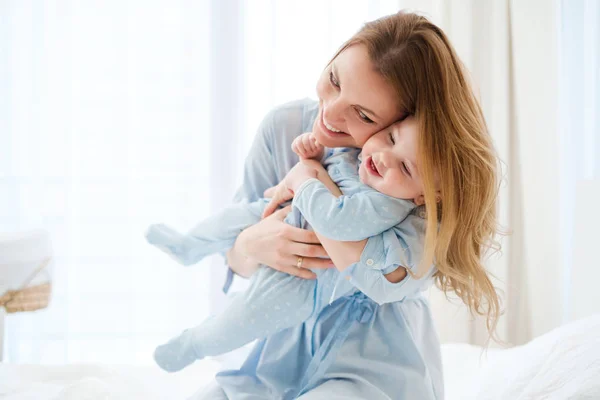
[372,167]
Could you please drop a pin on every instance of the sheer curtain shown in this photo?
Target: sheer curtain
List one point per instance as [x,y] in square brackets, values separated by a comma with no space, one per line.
[580,144]
[118,114]
[105,129]
[536,66]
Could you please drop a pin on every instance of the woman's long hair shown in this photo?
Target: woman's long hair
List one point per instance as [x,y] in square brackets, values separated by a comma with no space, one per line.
[456,152]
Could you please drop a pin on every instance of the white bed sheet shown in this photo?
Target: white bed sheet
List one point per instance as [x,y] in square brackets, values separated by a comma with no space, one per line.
[563,364]
[95,382]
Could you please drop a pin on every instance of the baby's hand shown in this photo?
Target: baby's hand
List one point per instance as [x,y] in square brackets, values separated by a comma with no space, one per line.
[307,147]
[300,173]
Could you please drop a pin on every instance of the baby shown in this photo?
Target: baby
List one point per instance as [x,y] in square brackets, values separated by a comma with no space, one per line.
[379,199]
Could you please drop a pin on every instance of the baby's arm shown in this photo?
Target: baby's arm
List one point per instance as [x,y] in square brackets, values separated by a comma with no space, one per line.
[348,218]
[378,266]
[331,213]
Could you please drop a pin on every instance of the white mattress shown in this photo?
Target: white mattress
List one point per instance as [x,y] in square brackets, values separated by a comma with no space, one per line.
[96,382]
[563,364]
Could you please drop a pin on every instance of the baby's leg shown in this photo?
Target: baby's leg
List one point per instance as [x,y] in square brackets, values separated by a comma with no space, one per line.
[274,301]
[216,233]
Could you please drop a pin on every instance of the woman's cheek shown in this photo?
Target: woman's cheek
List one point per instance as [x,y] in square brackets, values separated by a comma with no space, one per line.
[360,133]
[322,88]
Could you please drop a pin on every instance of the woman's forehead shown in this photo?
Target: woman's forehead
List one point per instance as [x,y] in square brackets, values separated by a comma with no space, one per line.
[363,86]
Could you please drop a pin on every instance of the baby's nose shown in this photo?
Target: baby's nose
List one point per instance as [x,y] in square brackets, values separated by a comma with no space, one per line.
[387,159]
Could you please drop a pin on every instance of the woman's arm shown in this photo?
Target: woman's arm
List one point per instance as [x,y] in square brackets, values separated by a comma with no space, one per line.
[277,244]
[240,264]
[271,241]
[344,254]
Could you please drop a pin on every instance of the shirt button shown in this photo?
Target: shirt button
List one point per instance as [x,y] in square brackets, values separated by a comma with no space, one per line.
[347,278]
[369,262]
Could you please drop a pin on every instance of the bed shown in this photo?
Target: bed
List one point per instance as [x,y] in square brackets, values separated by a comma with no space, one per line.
[563,364]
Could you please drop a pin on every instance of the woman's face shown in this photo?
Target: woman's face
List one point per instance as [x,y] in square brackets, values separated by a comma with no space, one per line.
[355,101]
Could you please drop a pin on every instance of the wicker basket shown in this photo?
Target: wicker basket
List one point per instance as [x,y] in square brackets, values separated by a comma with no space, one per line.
[28,298]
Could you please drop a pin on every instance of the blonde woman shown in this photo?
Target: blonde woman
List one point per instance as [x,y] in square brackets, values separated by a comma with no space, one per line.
[354,348]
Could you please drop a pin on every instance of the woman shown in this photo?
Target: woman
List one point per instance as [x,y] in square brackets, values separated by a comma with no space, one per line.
[394,66]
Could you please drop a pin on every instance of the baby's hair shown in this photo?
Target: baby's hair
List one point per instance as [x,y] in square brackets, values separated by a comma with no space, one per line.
[416,57]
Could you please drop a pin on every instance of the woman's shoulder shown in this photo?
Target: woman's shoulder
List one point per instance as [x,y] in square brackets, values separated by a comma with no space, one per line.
[295,116]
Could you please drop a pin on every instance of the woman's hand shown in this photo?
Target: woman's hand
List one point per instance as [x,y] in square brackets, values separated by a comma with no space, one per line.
[300,173]
[274,243]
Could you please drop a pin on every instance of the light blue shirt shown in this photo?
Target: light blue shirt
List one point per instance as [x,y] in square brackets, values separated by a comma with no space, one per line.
[354,345]
[361,213]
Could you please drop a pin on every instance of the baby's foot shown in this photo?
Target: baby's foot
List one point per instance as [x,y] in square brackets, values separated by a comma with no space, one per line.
[162,236]
[168,240]
[177,353]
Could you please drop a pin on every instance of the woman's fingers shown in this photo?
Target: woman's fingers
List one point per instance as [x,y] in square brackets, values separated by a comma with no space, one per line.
[299,235]
[290,266]
[270,208]
[281,214]
[270,192]
[307,250]
[316,263]
[279,245]
[280,196]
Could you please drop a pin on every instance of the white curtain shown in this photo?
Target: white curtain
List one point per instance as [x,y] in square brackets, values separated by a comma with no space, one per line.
[105,128]
[536,66]
[118,114]
[579,118]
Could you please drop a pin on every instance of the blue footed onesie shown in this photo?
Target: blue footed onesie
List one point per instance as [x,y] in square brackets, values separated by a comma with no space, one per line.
[309,330]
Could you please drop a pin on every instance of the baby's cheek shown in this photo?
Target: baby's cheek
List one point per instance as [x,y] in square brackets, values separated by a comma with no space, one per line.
[396,185]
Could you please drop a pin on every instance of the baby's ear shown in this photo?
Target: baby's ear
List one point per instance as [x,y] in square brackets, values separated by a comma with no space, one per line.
[419,201]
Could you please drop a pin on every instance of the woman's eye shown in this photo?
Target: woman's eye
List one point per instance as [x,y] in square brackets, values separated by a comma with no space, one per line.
[364,117]
[333,81]
[405,168]
[393,140]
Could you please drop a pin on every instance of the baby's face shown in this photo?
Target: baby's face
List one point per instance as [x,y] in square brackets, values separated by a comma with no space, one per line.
[389,162]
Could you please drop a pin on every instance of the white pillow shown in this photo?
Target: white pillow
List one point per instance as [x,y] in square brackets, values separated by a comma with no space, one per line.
[562,364]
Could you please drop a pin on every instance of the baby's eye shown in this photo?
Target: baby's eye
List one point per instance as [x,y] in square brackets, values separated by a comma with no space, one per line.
[392,140]
[405,168]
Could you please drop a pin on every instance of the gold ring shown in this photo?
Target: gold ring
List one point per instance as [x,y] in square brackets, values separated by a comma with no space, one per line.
[299,263]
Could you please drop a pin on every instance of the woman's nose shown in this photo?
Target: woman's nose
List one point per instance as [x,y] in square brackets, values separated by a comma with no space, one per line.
[334,110]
